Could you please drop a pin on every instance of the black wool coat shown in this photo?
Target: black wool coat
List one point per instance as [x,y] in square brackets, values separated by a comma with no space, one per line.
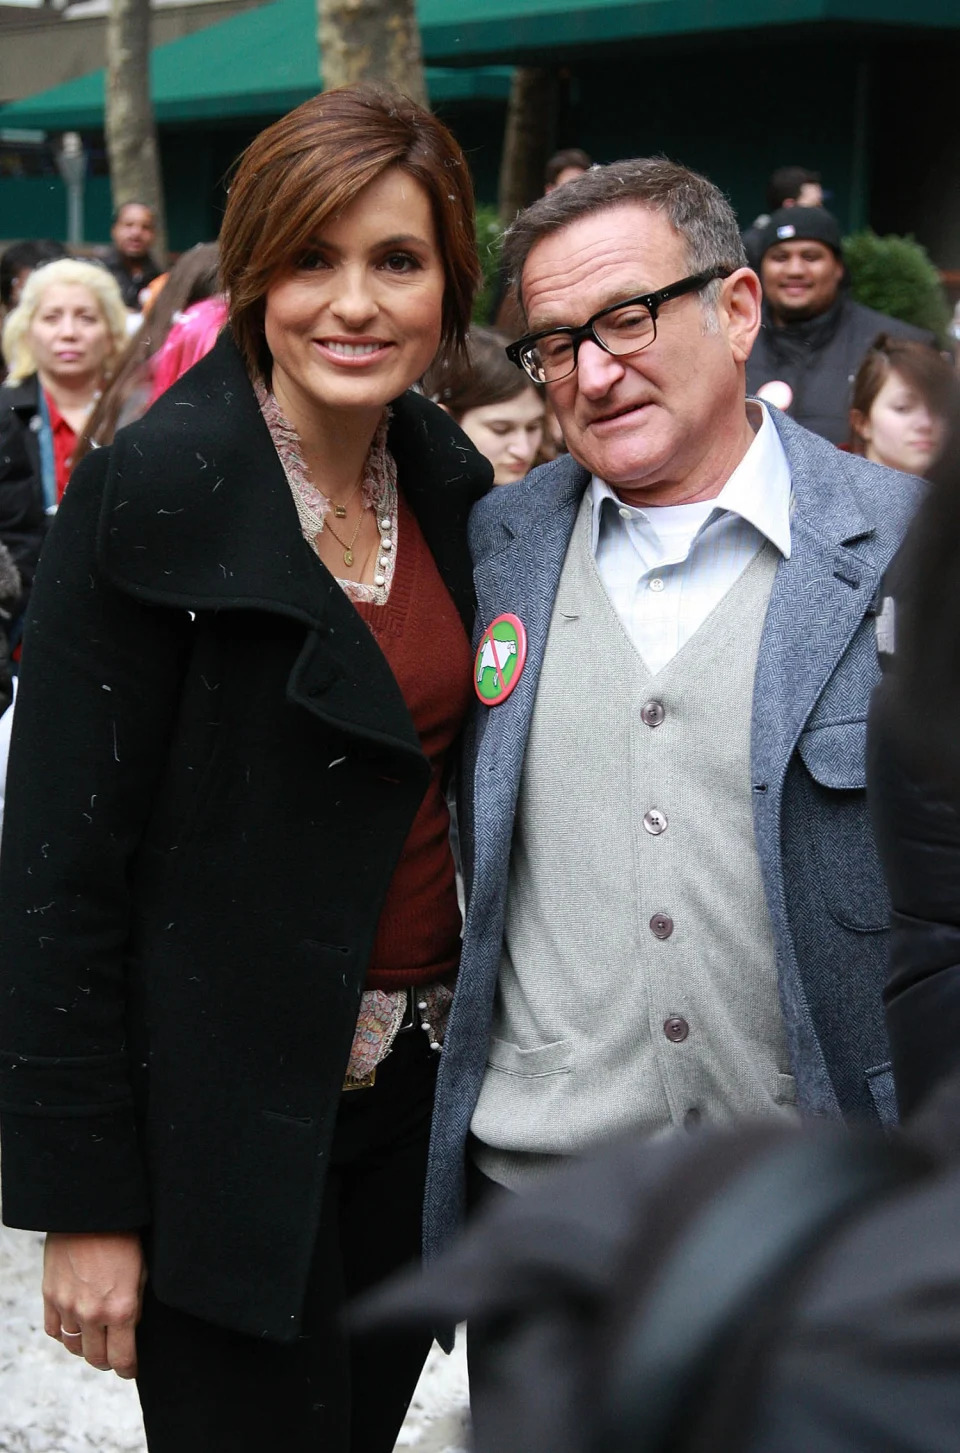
[212,776]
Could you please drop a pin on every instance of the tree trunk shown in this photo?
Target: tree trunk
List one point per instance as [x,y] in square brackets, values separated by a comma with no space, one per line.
[131,132]
[372,40]
[528,140]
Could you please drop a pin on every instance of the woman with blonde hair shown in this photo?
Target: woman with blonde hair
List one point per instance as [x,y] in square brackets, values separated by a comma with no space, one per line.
[59,343]
[133,386]
[254,611]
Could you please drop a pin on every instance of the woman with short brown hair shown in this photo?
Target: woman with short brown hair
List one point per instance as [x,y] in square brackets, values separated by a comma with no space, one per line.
[496,405]
[904,405]
[292,180]
[254,610]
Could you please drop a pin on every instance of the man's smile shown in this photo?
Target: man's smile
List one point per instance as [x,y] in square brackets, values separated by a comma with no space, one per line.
[620,415]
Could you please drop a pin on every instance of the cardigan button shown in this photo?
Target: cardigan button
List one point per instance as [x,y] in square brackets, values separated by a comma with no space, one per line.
[652,713]
[655,821]
[676,1028]
[661,925]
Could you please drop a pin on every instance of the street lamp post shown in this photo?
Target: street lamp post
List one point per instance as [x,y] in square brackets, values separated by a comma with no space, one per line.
[72,165]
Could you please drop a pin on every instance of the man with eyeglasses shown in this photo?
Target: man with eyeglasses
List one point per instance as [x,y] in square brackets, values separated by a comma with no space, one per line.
[675,912]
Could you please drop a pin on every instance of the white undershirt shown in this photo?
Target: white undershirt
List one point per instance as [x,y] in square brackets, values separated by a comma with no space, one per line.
[666,567]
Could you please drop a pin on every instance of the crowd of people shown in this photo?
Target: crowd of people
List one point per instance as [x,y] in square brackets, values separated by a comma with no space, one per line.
[282,648]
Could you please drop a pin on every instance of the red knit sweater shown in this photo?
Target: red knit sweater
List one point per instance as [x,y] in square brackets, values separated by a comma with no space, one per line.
[421,634]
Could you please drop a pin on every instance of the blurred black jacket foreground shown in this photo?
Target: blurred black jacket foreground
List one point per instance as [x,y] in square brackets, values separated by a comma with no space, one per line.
[766,1290]
[913,775]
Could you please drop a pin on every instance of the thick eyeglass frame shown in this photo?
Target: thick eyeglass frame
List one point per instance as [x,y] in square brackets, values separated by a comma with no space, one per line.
[651,301]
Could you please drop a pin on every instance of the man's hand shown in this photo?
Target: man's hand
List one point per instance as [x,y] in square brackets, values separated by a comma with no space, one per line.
[93,1288]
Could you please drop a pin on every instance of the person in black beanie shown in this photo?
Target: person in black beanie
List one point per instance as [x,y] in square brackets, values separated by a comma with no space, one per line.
[813,336]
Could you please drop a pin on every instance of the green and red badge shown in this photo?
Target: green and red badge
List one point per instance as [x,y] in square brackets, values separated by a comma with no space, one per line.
[501,656]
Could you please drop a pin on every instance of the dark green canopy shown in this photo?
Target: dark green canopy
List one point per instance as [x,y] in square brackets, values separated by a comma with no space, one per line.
[264,61]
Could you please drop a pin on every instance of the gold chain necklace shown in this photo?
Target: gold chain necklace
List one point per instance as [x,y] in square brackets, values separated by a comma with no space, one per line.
[340,510]
[347,548]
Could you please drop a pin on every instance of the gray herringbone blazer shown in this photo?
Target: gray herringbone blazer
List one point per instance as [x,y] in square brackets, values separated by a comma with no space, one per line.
[816,670]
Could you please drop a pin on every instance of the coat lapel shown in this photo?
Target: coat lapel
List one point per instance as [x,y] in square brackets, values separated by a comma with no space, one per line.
[212,525]
[23,397]
[443,477]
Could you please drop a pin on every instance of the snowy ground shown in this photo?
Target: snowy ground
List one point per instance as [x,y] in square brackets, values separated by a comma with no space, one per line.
[51,1402]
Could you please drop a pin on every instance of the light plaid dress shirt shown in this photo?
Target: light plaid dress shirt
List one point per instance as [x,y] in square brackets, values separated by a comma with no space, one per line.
[666,567]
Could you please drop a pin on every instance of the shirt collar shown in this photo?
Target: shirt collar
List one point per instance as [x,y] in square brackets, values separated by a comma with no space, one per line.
[758,490]
[57,421]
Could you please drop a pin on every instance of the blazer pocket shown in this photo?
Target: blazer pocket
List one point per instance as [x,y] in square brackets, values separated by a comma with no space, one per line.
[839,826]
[546,1059]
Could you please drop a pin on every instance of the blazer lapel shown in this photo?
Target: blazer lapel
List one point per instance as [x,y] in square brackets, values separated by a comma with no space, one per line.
[819,599]
[519,571]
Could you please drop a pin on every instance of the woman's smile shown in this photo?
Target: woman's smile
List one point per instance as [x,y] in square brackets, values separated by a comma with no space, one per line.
[361,351]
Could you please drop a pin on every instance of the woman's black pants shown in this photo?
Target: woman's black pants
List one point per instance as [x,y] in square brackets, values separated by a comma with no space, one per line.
[206,1390]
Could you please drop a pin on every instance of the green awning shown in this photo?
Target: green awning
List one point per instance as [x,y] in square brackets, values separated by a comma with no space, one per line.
[261,62]
[264,61]
[515,29]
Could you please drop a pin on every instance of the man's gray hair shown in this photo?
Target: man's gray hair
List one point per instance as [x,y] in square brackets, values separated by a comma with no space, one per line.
[695,208]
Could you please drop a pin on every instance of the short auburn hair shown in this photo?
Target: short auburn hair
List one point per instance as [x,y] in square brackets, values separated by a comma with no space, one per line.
[311,164]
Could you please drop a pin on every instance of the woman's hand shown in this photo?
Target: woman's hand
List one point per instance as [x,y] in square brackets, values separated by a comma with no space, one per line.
[93,1288]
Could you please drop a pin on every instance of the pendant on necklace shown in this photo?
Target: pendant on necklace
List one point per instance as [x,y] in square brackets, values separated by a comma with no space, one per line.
[340,512]
[348,557]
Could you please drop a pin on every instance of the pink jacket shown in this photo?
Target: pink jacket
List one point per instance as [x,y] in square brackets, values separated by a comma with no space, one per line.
[192,335]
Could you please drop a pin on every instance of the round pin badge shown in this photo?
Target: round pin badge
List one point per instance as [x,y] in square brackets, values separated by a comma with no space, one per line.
[776,392]
[501,657]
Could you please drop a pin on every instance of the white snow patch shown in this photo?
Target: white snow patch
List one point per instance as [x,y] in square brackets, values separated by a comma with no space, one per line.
[52,1402]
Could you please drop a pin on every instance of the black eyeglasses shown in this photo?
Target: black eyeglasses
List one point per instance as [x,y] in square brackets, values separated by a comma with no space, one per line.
[619,329]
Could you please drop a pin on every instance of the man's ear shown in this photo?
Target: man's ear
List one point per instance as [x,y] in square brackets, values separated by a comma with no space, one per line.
[740,304]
